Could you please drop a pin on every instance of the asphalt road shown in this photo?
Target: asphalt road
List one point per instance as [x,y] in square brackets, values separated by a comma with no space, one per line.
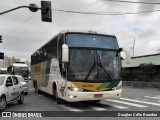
[132,100]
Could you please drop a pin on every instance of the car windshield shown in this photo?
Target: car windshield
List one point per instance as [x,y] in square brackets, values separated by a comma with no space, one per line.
[86,64]
[1,80]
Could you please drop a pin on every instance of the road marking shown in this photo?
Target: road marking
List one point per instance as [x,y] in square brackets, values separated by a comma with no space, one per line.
[127,103]
[114,105]
[71,108]
[153,97]
[97,108]
[150,100]
[139,101]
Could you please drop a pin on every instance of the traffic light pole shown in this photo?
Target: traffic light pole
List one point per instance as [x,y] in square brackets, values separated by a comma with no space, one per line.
[46,10]
[1,13]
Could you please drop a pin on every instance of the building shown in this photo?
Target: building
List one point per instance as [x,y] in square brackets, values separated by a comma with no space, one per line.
[7,61]
[133,68]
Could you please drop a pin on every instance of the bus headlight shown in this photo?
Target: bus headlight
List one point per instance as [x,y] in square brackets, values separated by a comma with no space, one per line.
[74,89]
[119,86]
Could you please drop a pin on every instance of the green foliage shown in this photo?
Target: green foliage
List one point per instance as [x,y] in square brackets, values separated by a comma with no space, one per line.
[145,72]
[148,71]
[125,74]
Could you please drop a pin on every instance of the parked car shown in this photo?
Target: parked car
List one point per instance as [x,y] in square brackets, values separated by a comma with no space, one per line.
[11,90]
[24,84]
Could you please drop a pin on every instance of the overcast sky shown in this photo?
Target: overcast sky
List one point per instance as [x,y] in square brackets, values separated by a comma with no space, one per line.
[23,31]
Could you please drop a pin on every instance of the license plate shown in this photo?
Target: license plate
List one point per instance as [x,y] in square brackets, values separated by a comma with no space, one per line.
[98,95]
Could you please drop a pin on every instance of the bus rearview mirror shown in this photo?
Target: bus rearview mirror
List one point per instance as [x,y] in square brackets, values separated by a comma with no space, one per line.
[65,53]
[128,56]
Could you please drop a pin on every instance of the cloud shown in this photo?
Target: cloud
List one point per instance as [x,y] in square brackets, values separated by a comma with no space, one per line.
[148,7]
[26,36]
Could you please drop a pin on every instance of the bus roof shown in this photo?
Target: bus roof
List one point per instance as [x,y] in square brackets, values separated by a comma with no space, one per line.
[77,31]
[85,31]
[5,69]
[20,65]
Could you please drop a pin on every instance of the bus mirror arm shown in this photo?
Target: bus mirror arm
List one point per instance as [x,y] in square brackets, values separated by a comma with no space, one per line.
[128,56]
[63,68]
[120,49]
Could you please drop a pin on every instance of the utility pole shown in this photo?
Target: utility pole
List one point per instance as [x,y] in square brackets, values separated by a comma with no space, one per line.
[133,46]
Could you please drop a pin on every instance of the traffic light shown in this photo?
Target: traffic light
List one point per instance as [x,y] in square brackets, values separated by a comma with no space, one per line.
[0,39]
[33,7]
[1,55]
[46,11]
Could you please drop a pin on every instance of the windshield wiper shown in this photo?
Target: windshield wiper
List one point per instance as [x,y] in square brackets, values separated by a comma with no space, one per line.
[91,69]
[93,66]
[106,72]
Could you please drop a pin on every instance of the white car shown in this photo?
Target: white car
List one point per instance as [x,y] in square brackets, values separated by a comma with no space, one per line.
[10,90]
[24,84]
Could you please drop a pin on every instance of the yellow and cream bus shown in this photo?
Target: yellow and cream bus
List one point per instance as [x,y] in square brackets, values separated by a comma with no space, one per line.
[79,66]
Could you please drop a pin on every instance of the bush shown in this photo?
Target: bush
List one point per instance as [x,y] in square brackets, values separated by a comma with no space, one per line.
[145,72]
[148,71]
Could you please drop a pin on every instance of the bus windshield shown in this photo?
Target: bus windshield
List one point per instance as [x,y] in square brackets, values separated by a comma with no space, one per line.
[92,41]
[99,64]
[23,71]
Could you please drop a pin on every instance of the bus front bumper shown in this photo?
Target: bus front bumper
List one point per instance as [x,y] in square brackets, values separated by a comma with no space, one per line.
[73,96]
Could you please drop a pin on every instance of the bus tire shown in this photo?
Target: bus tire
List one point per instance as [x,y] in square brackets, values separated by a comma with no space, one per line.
[54,90]
[57,99]
[96,101]
[36,89]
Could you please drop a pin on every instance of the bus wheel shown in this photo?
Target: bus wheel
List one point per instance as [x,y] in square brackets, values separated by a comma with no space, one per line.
[97,101]
[36,89]
[57,99]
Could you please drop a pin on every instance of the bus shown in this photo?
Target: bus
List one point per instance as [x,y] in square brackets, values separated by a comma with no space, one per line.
[3,70]
[19,68]
[78,65]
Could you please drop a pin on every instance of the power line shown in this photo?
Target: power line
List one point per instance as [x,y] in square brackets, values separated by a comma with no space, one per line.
[106,13]
[132,2]
[19,25]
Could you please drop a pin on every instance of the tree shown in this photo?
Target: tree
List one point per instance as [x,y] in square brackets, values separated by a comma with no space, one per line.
[148,71]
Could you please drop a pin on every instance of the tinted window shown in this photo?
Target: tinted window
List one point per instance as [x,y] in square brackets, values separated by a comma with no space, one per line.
[9,80]
[48,51]
[15,80]
[93,41]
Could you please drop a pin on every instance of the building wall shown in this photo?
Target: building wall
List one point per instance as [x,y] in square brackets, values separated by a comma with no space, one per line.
[136,61]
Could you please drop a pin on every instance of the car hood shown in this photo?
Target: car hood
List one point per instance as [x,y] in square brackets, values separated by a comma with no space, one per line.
[23,83]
